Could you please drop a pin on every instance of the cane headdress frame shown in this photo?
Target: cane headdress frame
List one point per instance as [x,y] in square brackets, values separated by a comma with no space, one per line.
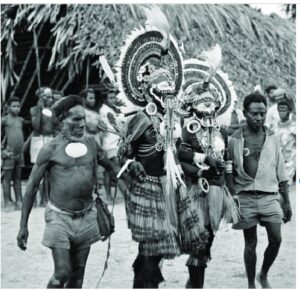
[145,61]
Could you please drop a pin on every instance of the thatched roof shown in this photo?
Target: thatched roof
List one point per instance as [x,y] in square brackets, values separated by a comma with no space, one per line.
[256,48]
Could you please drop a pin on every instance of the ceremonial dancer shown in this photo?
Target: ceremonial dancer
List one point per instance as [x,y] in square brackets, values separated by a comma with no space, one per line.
[203,151]
[159,211]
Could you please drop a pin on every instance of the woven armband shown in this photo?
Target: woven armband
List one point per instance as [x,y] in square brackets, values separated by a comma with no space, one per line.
[228,166]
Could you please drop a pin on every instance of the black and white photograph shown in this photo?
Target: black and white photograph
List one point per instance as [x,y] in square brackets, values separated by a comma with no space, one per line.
[148,145]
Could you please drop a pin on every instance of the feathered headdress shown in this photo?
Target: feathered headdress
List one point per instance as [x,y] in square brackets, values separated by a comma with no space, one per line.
[145,48]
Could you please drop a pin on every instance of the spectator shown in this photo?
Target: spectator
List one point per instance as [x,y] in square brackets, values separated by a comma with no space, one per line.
[112,118]
[12,152]
[286,133]
[44,124]
[272,116]
[237,120]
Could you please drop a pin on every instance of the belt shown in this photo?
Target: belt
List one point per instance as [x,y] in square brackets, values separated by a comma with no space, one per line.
[259,192]
[73,214]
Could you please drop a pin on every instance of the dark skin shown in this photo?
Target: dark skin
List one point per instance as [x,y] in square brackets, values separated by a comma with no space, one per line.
[254,136]
[71,188]
[15,173]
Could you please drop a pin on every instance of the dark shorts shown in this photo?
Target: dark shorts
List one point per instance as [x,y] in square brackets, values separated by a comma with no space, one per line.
[258,208]
[11,163]
[65,232]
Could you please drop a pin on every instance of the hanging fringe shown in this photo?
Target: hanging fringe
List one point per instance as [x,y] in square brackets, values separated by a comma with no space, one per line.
[231,211]
[215,205]
[192,233]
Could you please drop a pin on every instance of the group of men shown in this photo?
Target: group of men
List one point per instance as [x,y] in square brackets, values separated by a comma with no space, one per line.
[181,181]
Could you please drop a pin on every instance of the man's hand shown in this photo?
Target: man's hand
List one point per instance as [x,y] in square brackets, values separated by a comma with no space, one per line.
[287,211]
[218,165]
[137,170]
[22,238]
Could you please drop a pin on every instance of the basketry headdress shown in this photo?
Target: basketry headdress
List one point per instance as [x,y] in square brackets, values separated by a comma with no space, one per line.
[204,82]
[150,63]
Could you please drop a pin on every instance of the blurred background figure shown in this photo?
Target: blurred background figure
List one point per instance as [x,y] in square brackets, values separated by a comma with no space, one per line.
[274,95]
[93,127]
[237,119]
[285,130]
[12,142]
[111,115]
[44,124]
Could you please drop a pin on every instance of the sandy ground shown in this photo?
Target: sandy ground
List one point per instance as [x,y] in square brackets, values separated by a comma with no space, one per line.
[32,268]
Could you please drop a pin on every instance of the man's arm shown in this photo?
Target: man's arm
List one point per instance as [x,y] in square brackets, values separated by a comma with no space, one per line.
[35,113]
[283,184]
[35,177]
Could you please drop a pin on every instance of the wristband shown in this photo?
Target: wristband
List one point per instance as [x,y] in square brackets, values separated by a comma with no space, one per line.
[228,166]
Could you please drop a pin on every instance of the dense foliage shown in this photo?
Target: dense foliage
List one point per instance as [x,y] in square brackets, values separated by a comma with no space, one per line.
[256,48]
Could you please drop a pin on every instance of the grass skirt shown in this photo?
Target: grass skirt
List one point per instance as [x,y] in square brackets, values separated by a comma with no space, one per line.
[153,225]
[214,206]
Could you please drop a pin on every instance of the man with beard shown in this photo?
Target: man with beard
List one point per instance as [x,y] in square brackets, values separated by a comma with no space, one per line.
[71,218]
[258,171]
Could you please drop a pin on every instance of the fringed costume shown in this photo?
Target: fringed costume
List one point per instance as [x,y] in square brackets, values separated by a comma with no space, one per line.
[203,152]
[161,215]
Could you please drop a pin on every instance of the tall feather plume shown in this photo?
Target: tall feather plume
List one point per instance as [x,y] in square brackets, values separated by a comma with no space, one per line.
[155,17]
[107,69]
[214,58]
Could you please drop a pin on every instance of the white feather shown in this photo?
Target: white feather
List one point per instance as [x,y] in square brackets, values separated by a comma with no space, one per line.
[107,69]
[156,18]
[213,57]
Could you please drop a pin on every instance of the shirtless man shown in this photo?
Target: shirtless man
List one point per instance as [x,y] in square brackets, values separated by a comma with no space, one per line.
[71,218]
[258,170]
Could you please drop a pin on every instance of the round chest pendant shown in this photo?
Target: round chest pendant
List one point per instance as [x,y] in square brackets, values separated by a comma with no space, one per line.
[46,112]
[76,149]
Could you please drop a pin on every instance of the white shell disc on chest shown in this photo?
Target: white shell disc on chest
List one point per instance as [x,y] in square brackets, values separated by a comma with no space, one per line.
[47,112]
[76,149]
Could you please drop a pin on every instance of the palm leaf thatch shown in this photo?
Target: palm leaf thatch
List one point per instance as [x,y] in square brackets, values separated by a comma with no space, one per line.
[256,48]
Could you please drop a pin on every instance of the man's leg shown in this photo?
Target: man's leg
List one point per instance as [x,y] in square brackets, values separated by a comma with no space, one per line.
[197,264]
[78,261]
[62,268]
[274,237]
[17,186]
[7,177]
[250,236]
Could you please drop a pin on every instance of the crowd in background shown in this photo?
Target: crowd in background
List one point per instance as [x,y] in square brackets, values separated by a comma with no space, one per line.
[103,121]
[106,123]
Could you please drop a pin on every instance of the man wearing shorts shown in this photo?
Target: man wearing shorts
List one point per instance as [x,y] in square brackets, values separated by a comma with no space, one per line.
[71,218]
[258,171]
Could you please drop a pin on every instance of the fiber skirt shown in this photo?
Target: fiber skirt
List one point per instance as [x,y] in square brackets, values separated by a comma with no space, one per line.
[215,205]
[165,224]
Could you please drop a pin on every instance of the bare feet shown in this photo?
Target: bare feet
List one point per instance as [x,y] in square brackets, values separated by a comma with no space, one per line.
[262,279]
